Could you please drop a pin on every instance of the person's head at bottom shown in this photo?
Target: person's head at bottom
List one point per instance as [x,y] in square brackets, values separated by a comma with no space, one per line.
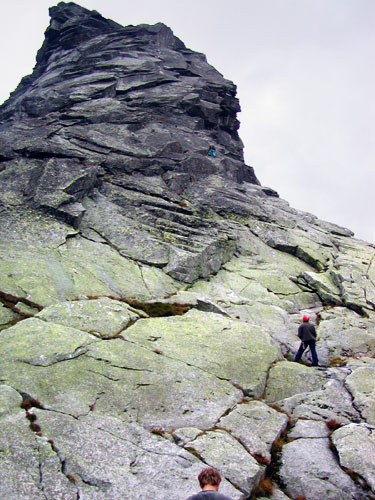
[209,479]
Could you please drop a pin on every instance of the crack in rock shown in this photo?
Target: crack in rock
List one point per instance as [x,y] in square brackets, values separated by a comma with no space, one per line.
[161,353]
[77,353]
[40,467]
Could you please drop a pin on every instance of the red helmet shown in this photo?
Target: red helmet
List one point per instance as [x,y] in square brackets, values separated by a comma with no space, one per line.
[306,317]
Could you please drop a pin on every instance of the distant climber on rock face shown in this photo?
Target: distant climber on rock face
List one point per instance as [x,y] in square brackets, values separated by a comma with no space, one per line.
[307,334]
[212,151]
[209,481]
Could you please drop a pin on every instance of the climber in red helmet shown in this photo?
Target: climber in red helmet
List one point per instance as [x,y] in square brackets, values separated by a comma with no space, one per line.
[307,334]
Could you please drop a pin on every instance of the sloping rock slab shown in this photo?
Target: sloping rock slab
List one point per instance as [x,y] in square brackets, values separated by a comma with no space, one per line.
[287,379]
[228,349]
[100,458]
[70,371]
[103,316]
[37,343]
[344,333]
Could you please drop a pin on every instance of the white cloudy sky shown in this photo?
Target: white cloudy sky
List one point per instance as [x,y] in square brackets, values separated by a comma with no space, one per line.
[305,75]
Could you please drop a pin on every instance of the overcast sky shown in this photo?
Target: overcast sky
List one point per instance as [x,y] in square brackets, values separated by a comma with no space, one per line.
[305,74]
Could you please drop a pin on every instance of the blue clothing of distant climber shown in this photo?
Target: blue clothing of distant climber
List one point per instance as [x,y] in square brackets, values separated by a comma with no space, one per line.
[307,334]
[212,151]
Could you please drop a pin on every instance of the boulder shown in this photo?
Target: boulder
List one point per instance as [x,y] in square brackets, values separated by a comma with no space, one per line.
[287,379]
[309,467]
[309,429]
[103,317]
[256,426]
[361,385]
[344,333]
[355,444]
[220,450]
[330,402]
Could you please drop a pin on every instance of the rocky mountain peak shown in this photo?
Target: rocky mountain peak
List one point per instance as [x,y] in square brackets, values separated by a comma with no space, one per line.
[71,25]
[151,291]
[110,111]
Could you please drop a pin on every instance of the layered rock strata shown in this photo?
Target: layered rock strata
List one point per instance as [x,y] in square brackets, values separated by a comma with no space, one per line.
[150,294]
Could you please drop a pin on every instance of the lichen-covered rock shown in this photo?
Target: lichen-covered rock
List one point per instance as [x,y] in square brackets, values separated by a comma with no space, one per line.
[10,401]
[344,333]
[49,268]
[287,379]
[220,450]
[309,468]
[211,342]
[104,317]
[109,459]
[7,316]
[55,365]
[361,384]
[185,434]
[323,285]
[355,444]
[256,425]
[37,343]
[332,401]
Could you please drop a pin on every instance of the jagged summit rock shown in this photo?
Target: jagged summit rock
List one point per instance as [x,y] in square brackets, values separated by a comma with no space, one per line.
[111,110]
[150,294]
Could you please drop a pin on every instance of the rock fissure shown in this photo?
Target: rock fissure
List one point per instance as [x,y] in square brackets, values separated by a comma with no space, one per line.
[10,301]
[161,353]
[77,353]
[94,483]
[120,367]
[143,278]
[40,469]
[354,403]
[68,237]
[113,379]
[63,465]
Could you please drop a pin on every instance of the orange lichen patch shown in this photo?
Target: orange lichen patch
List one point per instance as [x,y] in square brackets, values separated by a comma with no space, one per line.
[158,431]
[263,489]
[337,362]
[261,459]
[333,424]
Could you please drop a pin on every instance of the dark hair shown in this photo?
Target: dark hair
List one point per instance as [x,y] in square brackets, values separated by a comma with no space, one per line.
[209,476]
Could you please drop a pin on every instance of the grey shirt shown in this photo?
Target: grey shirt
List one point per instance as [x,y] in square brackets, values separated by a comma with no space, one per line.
[209,495]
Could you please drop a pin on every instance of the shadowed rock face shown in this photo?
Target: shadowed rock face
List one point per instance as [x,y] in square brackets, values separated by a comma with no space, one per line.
[150,294]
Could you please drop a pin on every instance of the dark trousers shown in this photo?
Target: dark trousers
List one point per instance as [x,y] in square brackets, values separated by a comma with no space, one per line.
[303,347]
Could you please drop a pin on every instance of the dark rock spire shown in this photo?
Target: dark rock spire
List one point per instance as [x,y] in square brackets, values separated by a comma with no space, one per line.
[71,25]
[112,110]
